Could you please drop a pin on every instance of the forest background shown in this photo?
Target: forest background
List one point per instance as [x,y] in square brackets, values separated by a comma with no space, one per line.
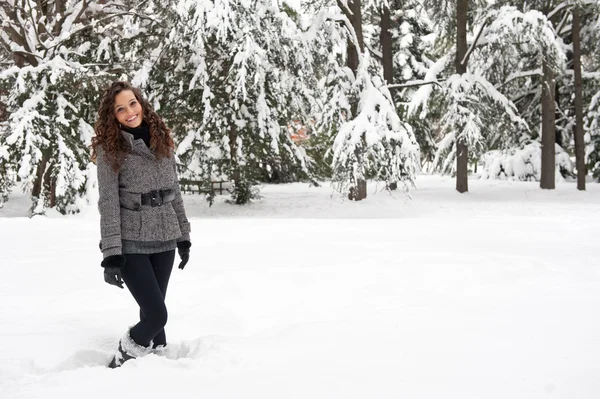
[313,91]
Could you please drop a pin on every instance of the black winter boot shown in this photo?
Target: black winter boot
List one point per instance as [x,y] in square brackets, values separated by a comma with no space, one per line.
[120,357]
[128,350]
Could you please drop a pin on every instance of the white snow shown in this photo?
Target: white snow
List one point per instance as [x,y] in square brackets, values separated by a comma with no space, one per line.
[491,294]
[523,163]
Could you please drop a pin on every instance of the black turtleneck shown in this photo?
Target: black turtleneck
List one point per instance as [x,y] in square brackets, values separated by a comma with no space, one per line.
[140,132]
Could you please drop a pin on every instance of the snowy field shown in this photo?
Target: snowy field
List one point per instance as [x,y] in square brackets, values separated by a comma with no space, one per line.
[492,294]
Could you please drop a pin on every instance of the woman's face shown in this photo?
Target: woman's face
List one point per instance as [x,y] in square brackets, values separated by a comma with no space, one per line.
[128,110]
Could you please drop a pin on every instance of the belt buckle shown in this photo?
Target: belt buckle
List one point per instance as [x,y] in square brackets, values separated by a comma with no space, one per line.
[156,199]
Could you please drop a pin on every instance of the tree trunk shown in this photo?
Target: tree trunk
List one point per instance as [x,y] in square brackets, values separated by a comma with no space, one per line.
[39,175]
[235,175]
[558,136]
[579,144]
[359,192]
[385,39]
[59,10]
[548,129]
[3,108]
[50,185]
[356,21]
[462,150]
[354,15]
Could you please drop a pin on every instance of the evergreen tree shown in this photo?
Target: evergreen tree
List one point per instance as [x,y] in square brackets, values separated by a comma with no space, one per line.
[506,47]
[57,63]
[398,33]
[590,37]
[229,78]
[357,112]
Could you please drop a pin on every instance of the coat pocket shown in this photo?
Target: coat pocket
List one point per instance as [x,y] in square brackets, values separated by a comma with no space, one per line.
[131,224]
[129,200]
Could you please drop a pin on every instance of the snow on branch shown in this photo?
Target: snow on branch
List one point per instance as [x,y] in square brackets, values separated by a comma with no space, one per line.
[323,16]
[566,5]
[343,4]
[499,98]
[413,83]
[465,60]
[519,75]
[421,96]
[374,141]
[509,25]
[558,8]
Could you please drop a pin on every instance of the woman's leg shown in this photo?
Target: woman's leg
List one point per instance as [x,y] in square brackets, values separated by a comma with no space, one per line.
[139,276]
[162,264]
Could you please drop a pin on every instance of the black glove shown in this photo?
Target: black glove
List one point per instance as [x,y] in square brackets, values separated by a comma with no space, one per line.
[112,269]
[183,247]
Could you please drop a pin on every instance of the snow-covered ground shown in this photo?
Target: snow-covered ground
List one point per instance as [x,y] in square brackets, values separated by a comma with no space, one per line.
[492,294]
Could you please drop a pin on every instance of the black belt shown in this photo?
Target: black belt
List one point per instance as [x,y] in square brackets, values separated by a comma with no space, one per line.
[158,197]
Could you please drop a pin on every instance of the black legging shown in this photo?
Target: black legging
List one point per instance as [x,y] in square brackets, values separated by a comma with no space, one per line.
[147,277]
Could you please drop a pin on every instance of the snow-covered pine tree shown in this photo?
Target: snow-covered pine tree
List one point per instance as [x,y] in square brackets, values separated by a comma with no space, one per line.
[590,37]
[571,20]
[592,137]
[396,34]
[370,140]
[412,46]
[480,104]
[460,123]
[539,57]
[580,28]
[6,180]
[526,92]
[56,61]
[229,77]
[556,14]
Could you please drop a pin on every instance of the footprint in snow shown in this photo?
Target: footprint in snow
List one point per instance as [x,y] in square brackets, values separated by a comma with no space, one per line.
[85,358]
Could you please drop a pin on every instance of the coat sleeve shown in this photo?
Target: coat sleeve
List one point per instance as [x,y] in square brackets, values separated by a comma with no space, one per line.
[184,224]
[109,207]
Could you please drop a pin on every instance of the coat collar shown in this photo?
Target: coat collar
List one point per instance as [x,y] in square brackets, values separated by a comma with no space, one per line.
[137,146]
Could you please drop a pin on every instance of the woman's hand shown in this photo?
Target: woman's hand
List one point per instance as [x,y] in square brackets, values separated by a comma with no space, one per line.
[183,248]
[112,269]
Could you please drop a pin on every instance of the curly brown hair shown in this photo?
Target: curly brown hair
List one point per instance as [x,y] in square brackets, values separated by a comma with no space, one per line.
[108,133]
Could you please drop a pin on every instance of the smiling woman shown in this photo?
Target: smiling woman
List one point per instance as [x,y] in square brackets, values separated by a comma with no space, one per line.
[142,218]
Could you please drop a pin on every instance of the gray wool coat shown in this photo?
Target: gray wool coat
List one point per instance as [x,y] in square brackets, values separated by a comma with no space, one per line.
[122,216]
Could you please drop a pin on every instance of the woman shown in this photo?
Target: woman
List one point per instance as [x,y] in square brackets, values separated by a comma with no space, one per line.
[142,218]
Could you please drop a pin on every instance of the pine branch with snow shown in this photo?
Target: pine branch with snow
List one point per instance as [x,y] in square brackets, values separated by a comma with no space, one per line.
[57,70]
[523,164]
[374,143]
